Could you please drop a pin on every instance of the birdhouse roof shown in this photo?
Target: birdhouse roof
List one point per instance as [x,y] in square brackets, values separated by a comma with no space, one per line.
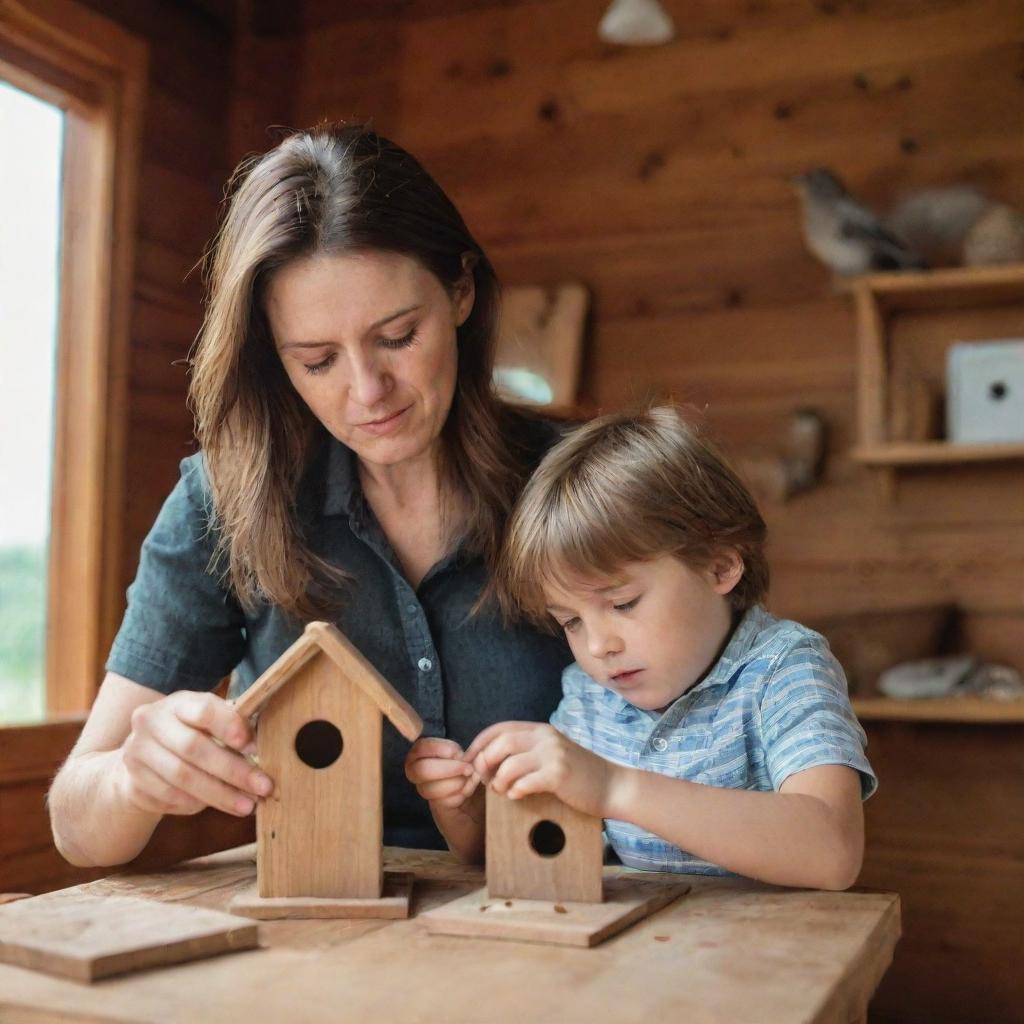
[323,638]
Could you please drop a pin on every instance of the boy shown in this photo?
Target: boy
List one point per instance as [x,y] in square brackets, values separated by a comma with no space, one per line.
[710,736]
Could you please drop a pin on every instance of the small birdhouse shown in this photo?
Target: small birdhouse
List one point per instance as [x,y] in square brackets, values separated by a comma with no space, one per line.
[546,881]
[539,848]
[319,835]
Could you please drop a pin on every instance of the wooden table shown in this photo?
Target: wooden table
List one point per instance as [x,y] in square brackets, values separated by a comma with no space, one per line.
[729,951]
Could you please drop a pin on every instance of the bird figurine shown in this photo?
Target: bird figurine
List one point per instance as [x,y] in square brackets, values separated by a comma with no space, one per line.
[958,225]
[847,236]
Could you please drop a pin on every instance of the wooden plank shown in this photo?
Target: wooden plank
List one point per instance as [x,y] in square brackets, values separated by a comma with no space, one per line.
[369,87]
[87,937]
[945,285]
[392,904]
[165,318]
[639,274]
[30,753]
[719,356]
[278,675]
[50,81]
[872,370]
[31,861]
[168,269]
[358,669]
[902,552]
[267,72]
[628,899]
[318,14]
[473,64]
[935,453]
[882,102]
[175,138]
[950,843]
[88,38]
[189,51]
[189,221]
[757,57]
[349,661]
[997,636]
[940,709]
[696,158]
[29,758]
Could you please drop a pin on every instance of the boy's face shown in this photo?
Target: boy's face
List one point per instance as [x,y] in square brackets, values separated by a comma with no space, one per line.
[652,630]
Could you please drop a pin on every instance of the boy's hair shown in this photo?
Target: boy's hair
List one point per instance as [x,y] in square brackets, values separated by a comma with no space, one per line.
[629,487]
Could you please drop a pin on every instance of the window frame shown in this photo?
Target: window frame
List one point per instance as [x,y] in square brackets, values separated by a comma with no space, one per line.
[96,72]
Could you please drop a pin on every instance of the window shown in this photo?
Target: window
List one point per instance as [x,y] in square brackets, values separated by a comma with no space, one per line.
[30,193]
[60,465]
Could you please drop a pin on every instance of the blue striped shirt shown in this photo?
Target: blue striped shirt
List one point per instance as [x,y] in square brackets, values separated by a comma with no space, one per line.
[773,704]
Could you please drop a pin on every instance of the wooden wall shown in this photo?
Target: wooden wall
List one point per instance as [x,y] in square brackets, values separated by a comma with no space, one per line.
[944,831]
[659,178]
[29,862]
[185,160]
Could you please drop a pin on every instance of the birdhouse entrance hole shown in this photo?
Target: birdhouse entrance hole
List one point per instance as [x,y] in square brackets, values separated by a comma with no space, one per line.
[318,743]
[547,839]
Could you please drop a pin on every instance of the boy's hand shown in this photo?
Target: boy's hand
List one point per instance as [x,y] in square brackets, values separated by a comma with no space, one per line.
[520,758]
[437,769]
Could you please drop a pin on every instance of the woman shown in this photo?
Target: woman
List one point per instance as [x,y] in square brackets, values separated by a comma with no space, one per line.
[355,466]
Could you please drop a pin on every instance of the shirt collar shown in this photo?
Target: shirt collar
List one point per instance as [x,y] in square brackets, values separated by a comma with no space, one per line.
[332,488]
[742,646]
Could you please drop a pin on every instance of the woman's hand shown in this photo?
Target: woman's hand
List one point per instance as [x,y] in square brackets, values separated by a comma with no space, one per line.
[520,758]
[437,769]
[183,754]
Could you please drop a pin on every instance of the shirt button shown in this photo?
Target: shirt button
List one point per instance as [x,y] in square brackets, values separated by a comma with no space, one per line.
[660,744]
[411,608]
[425,664]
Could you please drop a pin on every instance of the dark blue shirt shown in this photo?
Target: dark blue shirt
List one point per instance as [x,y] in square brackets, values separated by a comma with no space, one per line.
[184,628]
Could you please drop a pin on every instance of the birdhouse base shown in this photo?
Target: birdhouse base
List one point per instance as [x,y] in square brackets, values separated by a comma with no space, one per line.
[393,903]
[627,899]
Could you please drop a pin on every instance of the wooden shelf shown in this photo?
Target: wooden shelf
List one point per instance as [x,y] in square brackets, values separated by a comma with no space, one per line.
[951,286]
[939,709]
[934,453]
[898,394]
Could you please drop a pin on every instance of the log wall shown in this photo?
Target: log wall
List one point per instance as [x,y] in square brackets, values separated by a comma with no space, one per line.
[659,178]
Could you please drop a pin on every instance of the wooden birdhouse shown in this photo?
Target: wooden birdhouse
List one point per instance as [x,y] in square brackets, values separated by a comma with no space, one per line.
[319,835]
[546,881]
[539,848]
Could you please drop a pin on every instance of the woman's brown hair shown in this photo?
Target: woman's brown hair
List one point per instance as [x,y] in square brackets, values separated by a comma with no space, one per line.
[331,190]
[629,487]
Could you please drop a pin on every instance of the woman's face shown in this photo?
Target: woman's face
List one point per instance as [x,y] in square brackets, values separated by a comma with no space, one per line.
[368,341]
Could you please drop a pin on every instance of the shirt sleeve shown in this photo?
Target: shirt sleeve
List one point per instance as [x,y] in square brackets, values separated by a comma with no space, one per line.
[806,718]
[183,629]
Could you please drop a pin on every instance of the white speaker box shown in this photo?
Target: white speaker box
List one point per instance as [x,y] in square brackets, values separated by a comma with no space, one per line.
[985,391]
